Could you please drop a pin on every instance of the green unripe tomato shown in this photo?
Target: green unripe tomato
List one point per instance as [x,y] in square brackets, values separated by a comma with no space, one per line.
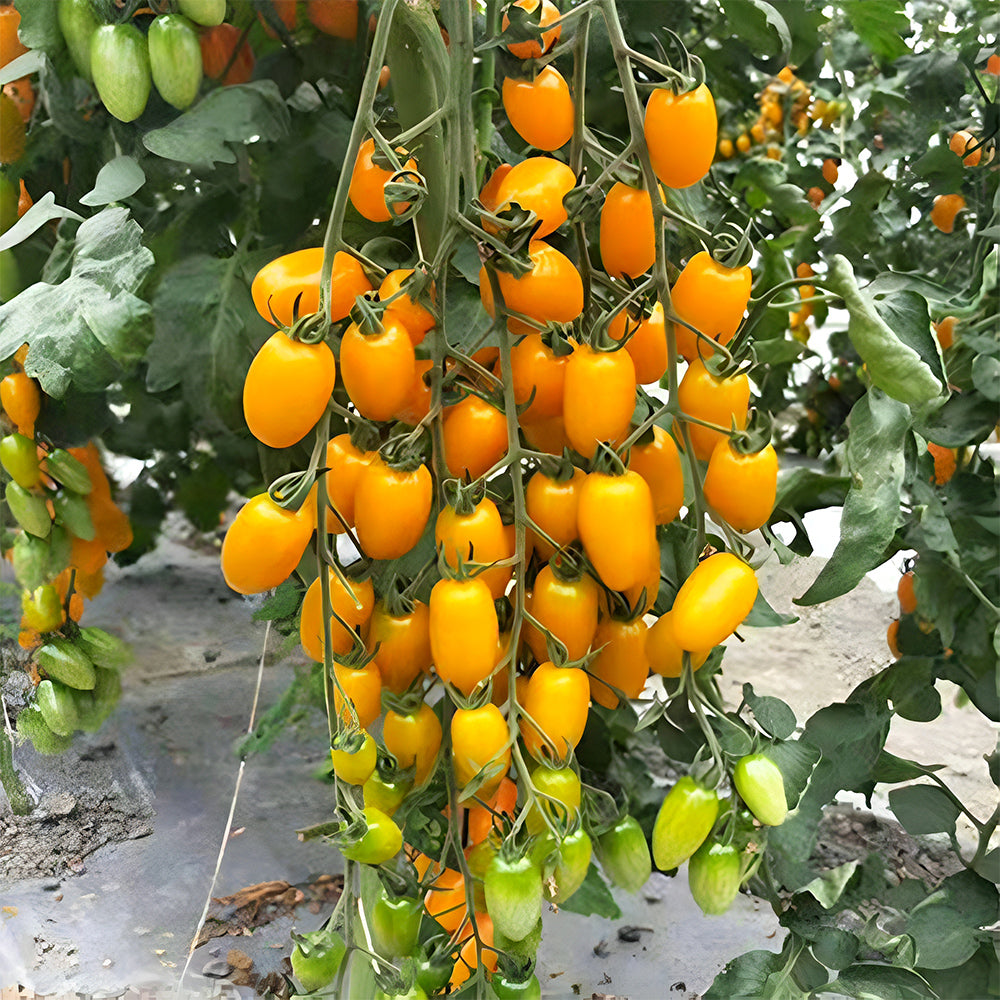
[119,62]
[624,854]
[760,784]
[513,895]
[714,876]
[207,13]
[685,819]
[78,21]
[175,59]
[316,958]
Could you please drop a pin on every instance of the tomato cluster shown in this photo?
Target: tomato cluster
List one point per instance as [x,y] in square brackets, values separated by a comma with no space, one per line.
[61,500]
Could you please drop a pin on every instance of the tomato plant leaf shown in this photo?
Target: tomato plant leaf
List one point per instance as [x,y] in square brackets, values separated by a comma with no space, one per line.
[827,887]
[835,948]
[943,935]
[231,115]
[941,168]
[986,377]
[871,509]
[118,179]
[24,65]
[762,615]
[886,982]
[962,419]
[881,25]
[44,210]
[593,897]
[890,769]
[772,714]
[924,809]
[759,24]
[39,27]
[750,977]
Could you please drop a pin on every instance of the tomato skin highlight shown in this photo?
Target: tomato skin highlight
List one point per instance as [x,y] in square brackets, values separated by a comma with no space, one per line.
[599,397]
[761,786]
[263,545]
[627,231]
[540,110]
[557,698]
[378,368]
[513,895]
[712,298]
[659,463]
[464,632]
[681,132]
[686,817]
[718,401]
[391,508]
[287,389]
[742,488]
[713,601]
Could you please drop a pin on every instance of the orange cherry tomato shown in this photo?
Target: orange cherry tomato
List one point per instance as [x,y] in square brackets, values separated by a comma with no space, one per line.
[262,546]
[464,632]
[481,818]
[488,195]
[622,663]
[22,401]
[557,699]
[712,298]
[718,401]
[906,594]
[944,330]
[404,645]
[470,955]
[278,284]
[553,504]
[11,45]
[354,606]
[362,687]
[477,537]
[648,582]
[547,436]
[540,110]
[338,18]
[599,397]
[713,601]
[391,508]
[537,369]
[567,608]
[414,739]
[538,184]
[445,900]
[648,345]
[944,210]
[664,652]
[475,437]
[415,317]
[627,231]
[681,132]
[218,50]
[892,638]
[479,739]
[616,522]
[741,488]
[959,143]
[287,389]
[368,181]
[345,464]
[418,405]
[659,463]
[286,10]
[552,291]
[378,368]
[532,49]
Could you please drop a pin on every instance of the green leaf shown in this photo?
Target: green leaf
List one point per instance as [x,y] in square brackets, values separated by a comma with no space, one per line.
[230,115]
[835,948]
[44,210]
[878,425]
[759,25]
[986,377]
[867,981]
[890,769]
[796,761]
[748,977]
[39,28]
[283,603]
[829,885]
[944,936]
[923,809]
[593,897]
[117,180]
[24,65]
[762,615]
[942,169]
[964,419]
[881,25]
[772,714]
[91,328]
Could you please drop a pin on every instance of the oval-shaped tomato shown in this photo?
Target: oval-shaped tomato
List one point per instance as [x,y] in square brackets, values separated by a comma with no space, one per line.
[287,389]
[362,694]
[741,488]
[42,609]
[627,231]
[354,606]
[538,184]
[553,505]
[475,437]
[616,523]
[557,699]
[944,211]
[713,601]
[338,18]
[220,57]
[119,65]
[467,960]
[357,767]
[175,59]
[285,10]
[317,957]
[546,436]
[382,840]
[718,401]
[507,987]
[483,819]
[624,854]
[345,464]
[571,863]
[368,181]
[686,817]
[391,508]
[551,291]
[207,13]
[480,740]
[445,900]
[22,401]
[714,876]
[404,645]
[599,397]
[418,403]
[414,739]
[533,49]
[378,368]
[477,537]
[395,924]
[622,663]
[78,22]
[558,792]
[567,608]
[513,895]
[647,346]
[464,632]
[665,654]
[537,369]
[263,545]
[540,110]
[659,463]
[681,132]
[416,318]
[761,786]
[19,457]
[906,594]
[712,298]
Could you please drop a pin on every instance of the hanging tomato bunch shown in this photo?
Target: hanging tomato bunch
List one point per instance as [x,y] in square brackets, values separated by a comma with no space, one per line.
[482,524]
